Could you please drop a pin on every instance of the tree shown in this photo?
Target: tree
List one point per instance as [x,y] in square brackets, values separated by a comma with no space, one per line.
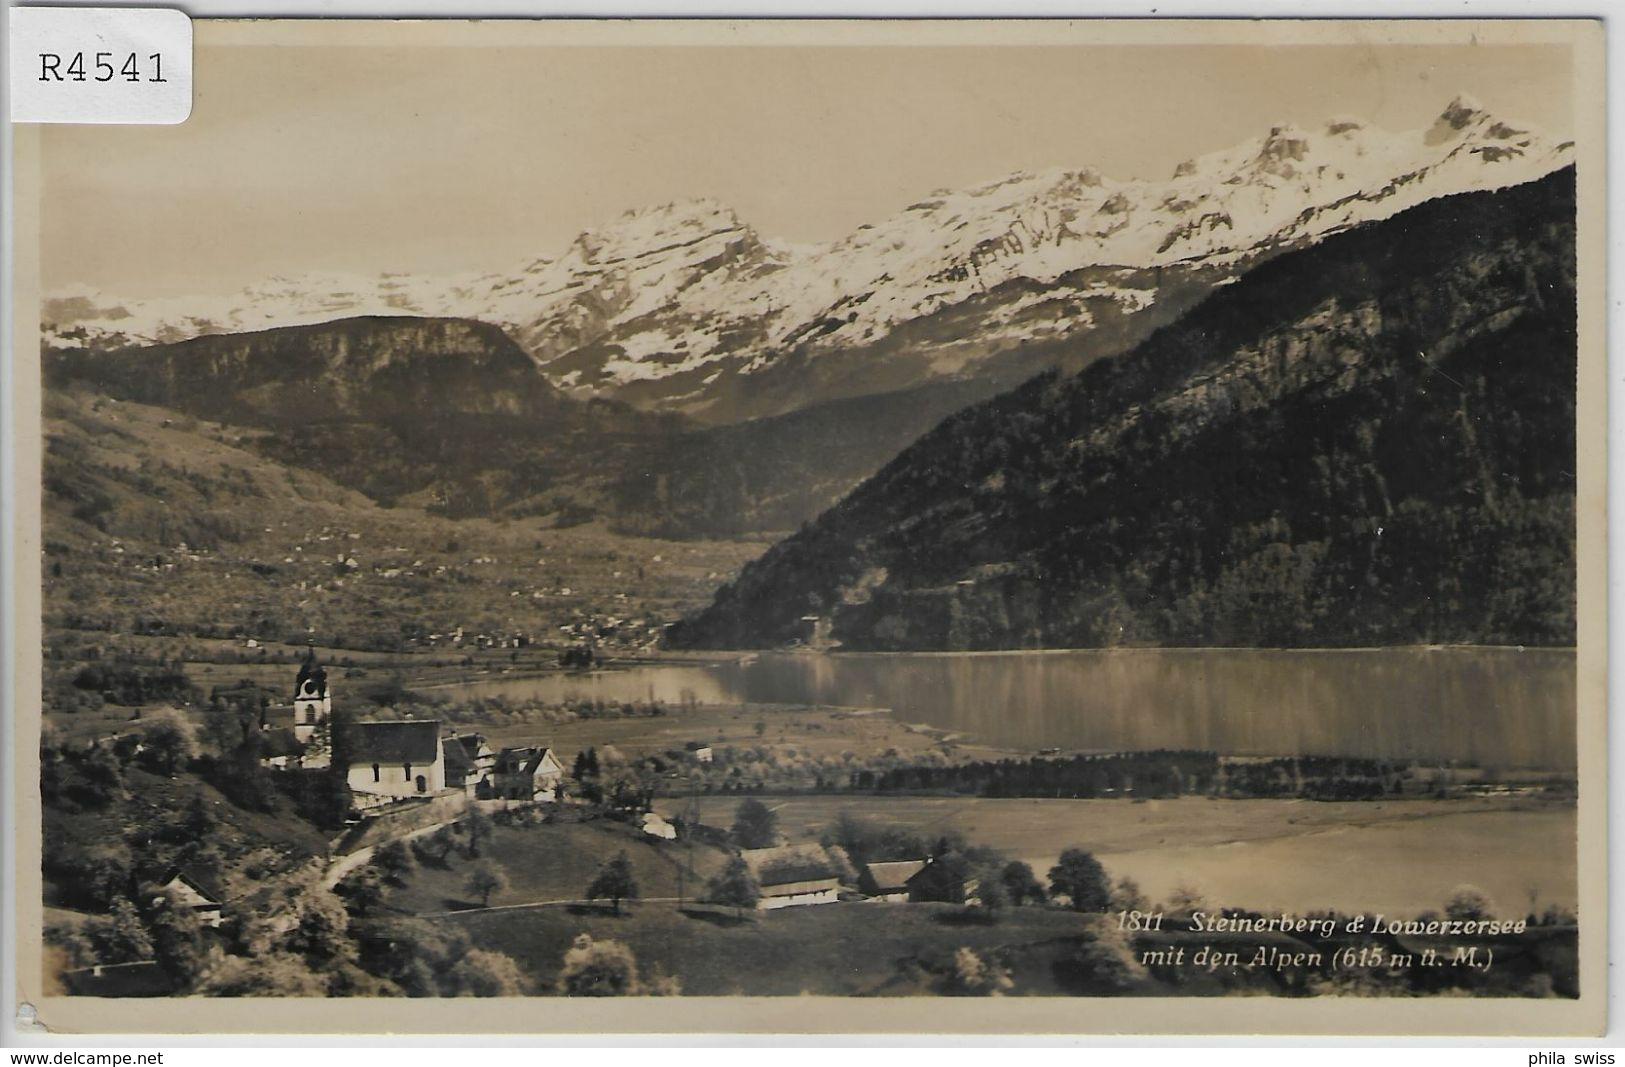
[1021,884]
[479,827]
[614,883]
[439,844]
[120,936]
[199,822]
[321,927]
[1105,961]
[97,878]
[1126,896]
[487,974]
[735,886]
[1079,877]
[990,894]
[972,975]
[103,775]
[483,880]
[1468,903]
[362,890]
[755,825]
[273,974]
[394,861]
[586,765]
[417,956]
[226,725]
[599,969]
[167,743]
[944,880]
[177,937]
[1185,899]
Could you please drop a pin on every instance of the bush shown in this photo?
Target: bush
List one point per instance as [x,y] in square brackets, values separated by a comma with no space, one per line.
[599,969]
[487,974]
[1080,877]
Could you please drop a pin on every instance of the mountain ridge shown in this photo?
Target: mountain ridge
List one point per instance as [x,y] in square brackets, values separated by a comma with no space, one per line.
[684,307]
[1246,476]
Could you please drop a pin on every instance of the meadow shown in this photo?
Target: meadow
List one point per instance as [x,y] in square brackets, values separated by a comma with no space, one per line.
[1401,856]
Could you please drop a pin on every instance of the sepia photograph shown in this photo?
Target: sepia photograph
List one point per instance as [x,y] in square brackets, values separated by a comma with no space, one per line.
[1075,512]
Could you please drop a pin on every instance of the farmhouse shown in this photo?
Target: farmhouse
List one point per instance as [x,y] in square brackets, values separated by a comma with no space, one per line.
[194,892]
[888,881]
[469,762]
[791,876]
[526,774]
[699,751]
[947,880]
[397,758]
[655,826]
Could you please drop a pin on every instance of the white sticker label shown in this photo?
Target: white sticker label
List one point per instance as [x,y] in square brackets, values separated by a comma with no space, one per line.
[100,64]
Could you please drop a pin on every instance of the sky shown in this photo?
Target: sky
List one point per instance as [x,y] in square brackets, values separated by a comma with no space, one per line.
[448,159]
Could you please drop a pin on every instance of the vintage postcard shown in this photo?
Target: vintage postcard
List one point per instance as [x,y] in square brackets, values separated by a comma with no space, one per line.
[832,527]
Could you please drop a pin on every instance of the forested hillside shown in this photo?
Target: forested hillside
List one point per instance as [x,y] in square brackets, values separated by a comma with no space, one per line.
[1370,441]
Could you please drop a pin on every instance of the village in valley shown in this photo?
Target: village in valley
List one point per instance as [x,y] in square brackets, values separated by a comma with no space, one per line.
[312,841]
[1075,571]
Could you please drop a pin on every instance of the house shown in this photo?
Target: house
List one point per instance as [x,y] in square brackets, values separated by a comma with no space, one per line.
[481,754]
[657,827]
[460,771]
[791,876]
[946,880]
[469,762]
[190,890]
[526,774]
[888,881]
[699,751]
[397,758]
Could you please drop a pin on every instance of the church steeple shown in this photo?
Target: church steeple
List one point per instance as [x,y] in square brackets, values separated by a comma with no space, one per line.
[312,703]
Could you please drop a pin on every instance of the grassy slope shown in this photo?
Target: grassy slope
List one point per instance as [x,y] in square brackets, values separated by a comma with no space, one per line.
[557,862]
[127,486]
[829,949]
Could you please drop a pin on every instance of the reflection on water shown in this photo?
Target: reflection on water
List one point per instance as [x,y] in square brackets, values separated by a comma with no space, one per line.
[1497,707]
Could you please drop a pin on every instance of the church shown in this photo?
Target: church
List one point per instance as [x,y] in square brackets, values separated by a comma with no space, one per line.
[397,758]
[312,703]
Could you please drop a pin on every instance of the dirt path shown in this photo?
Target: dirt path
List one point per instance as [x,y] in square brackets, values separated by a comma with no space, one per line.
[544,904]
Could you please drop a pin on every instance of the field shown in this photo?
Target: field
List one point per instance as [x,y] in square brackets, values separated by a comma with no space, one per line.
[1402,856]
[556,863]
[851,949]
[164,524]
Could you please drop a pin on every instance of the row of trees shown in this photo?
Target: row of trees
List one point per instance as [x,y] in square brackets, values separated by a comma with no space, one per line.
[1144,774]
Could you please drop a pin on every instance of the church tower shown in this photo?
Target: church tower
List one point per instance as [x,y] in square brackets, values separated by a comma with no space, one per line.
[312,703]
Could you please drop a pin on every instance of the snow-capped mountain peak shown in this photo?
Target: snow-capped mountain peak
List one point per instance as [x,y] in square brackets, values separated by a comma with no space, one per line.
[679,304]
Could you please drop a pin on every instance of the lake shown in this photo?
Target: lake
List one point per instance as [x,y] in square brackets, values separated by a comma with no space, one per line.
[1491,707]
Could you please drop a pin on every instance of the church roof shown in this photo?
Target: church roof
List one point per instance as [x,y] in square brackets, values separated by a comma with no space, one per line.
[312,670]
[396,741]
